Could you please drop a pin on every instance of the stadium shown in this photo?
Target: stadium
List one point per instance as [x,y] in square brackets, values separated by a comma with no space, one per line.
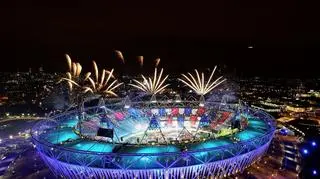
[153,137]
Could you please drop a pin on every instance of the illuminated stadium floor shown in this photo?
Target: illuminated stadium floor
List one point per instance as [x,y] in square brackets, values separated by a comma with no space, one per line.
[255,128]
[60,135]
[89,145]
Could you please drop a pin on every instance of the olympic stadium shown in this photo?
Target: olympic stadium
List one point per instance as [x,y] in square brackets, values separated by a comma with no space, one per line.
[155,138]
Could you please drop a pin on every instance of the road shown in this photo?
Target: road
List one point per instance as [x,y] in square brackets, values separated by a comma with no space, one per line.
[21,118]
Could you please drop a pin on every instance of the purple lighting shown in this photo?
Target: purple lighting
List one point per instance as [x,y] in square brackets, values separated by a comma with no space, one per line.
[314,143]
[68,170]
[149,160]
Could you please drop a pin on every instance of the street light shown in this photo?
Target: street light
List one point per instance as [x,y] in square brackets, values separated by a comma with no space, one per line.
[314,172]
[305,151]
[313,143]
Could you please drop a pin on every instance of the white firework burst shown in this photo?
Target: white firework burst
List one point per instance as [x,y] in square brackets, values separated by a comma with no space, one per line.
[73,76]
[198,84]
[151,86]
[104,84]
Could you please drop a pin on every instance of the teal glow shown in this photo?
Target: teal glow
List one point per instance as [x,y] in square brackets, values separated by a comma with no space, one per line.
[257,123]
[60,135]
[247,134]
[210,144]
[70,123]
[95,146]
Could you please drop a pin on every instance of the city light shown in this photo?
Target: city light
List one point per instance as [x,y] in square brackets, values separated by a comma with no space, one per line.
[314,172]
[305,151]
[314,143]
[10,137]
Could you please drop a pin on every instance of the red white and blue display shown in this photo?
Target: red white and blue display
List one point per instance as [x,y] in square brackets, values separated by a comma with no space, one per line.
[161,139]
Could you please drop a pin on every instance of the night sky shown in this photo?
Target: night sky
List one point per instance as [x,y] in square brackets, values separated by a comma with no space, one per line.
[285,35]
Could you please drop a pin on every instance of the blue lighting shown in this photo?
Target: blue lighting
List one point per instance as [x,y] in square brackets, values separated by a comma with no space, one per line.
[162,112]
[187,111]
[134,113]
[314,143]
[314,172]
[283,131]
[204,121]
[305,151]
[154,124]
[180,121]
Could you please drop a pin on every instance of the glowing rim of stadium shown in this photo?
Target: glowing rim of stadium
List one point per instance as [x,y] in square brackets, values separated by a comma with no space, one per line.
[68,162]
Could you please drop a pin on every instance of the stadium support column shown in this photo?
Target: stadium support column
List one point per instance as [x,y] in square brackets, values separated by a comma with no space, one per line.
[80,102]
[127,102]
[202,101]
[153,98]
[153,126]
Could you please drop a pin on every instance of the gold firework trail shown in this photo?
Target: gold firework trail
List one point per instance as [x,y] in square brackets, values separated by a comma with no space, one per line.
[197,83]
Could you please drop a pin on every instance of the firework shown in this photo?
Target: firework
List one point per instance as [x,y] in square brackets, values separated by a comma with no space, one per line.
[140,60]
[197,83]
[151,86]
[120,56]
[104,84]
[157,61]
[73,75]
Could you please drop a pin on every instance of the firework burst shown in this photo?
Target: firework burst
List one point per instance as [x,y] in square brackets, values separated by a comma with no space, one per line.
[73,76]
[197,83]
[104,84]
[151,86]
